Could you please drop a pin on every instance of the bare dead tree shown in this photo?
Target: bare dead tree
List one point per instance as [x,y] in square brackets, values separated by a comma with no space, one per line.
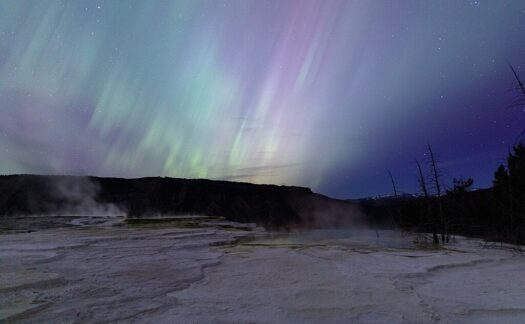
[424,189]
[393,183]
[421,180]
[519,100]
[521,87]
[436,179]
[436,174]
[393,215]
[515,205]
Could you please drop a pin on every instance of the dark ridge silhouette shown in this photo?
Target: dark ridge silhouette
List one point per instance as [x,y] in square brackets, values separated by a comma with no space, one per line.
[271,206]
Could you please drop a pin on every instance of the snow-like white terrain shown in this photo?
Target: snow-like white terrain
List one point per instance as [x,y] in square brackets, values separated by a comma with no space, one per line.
[166,274]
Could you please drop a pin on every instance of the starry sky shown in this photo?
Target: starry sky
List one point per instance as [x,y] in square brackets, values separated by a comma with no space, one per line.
[327,94]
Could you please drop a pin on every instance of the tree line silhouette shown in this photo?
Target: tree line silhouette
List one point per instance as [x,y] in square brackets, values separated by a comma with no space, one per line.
[496,213]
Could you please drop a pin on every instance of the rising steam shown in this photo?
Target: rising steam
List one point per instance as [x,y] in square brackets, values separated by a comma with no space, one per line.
[76,196]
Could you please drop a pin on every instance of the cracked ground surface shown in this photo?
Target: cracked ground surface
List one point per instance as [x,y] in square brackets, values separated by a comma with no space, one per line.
[204,275]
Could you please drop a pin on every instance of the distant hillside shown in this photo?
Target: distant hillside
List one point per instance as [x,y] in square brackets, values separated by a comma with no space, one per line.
[269,205]
[472,213]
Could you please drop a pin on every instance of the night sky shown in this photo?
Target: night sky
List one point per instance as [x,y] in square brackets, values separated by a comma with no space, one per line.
[324,94]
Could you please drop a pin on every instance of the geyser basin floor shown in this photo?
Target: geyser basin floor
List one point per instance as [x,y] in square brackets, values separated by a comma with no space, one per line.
[181,275]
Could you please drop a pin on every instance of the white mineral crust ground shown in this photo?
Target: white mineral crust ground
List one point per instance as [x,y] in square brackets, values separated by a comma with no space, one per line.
[201,275]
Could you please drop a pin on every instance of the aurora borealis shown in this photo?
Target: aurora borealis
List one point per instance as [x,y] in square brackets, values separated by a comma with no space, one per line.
[326,94]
